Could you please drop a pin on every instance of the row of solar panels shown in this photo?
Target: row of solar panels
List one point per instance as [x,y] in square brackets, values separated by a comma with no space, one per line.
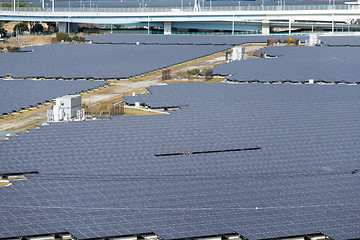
[296,64]
[16,95]
[183,39]
[213,40]
[102,178]
[97,61]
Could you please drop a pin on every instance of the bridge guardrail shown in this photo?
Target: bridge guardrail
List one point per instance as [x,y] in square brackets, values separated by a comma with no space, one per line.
[95,8]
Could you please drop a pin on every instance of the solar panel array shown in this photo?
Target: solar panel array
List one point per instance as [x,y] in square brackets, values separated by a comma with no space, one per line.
[102,178]
[97,61]
[16,95]
[183,39]
[353,41]
[297,64]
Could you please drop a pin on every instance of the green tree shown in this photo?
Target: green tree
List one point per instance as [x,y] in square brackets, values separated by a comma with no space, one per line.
[37,28]
[21,27]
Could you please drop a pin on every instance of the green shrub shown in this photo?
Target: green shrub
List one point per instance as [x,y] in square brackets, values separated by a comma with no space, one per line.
[61,36]
[13,49]
[75,38]
[193,71]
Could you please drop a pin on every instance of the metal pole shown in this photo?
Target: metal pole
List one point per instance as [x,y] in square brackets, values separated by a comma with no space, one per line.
[148,24]
[289,27]
[233,25]
[43,4]
[332,22]
[14,5]
[53,5]
[196,6]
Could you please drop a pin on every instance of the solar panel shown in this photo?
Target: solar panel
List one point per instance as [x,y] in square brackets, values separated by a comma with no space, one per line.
[296,64]
[102,178]
[16,95]
[130,39]
[72,61]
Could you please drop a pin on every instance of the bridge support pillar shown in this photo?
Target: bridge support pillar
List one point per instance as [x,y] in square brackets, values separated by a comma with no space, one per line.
[67,27]
[265,27]
[167,28]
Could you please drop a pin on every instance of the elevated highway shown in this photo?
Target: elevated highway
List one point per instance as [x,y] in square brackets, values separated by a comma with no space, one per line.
[242,18]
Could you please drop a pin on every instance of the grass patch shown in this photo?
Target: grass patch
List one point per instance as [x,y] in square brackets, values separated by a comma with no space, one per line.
[4,183]
[216,80]
[136,112]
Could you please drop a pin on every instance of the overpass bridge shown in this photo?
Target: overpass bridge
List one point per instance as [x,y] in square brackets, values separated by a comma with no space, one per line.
[234,18]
